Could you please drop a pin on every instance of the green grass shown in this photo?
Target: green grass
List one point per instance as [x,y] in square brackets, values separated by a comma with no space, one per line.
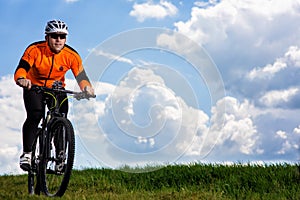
[173,182]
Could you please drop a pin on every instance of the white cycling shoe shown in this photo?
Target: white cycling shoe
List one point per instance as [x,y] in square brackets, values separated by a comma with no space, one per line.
[25,161]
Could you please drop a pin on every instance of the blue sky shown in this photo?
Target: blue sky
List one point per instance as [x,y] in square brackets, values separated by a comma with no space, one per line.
[239,102]
[92,21]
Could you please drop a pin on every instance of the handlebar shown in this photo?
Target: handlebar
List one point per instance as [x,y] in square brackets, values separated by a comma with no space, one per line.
[76,95]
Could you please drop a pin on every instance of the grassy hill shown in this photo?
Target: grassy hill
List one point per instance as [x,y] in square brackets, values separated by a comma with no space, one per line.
[173,182]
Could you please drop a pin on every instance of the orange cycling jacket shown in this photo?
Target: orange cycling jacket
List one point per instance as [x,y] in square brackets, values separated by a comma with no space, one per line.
[43,67]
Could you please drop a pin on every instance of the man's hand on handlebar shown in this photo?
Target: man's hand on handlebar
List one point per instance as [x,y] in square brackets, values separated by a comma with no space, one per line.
[25,83]
[89,91]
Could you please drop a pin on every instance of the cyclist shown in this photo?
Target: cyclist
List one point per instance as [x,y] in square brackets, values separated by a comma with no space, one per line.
[42,63]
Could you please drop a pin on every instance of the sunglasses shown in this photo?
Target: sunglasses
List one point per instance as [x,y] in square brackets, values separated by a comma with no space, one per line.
[56,36]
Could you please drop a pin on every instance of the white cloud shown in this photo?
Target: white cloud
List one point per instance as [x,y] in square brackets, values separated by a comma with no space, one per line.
[276,97]
[292,56]
[178,43]
[232,129]
[285,147]
[288,143]
[207,24]
[149,116]
[11,120]
[205,4]
[111,56]
[144,121]
[281,134]
[9,159]
[297,130]
[290,59]
[214,24]
[151,10]
[268,71]
[241,35]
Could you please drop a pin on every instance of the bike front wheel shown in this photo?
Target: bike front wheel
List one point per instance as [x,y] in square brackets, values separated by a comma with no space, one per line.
[58,157]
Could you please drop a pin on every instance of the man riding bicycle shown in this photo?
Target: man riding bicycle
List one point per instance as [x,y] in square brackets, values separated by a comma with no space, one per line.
[43,63]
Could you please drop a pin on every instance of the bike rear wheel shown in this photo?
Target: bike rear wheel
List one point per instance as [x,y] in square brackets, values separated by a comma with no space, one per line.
[57,162]
[34,172]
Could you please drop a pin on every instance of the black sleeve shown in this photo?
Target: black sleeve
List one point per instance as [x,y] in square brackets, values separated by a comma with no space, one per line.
[23,64]
[82,76]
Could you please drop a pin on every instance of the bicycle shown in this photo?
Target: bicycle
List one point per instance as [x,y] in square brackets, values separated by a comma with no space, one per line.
[53,149]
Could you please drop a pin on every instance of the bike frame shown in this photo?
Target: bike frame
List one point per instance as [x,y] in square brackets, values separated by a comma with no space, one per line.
[44,134]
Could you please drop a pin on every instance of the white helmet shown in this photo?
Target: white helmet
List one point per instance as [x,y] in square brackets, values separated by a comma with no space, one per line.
[55,26]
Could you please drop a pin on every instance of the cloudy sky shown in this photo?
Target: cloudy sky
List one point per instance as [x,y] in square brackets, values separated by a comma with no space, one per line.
[210,81]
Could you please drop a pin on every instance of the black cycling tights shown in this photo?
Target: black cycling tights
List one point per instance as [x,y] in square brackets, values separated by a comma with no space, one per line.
[35,110]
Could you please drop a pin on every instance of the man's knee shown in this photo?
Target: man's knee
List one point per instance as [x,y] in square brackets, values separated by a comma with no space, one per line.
[35,116]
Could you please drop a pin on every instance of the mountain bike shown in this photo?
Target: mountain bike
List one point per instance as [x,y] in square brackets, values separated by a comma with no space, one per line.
[53,148]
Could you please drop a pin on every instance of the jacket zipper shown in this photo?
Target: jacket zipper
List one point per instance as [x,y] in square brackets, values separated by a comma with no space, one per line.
[50,71]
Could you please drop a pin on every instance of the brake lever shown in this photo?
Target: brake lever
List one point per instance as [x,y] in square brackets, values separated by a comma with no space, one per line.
[83,95]
[79,96]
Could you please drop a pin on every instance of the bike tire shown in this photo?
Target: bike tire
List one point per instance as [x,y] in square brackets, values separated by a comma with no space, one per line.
[55,182]
[34,172]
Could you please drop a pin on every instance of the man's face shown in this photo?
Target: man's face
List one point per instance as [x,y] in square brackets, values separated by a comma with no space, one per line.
[56,41]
